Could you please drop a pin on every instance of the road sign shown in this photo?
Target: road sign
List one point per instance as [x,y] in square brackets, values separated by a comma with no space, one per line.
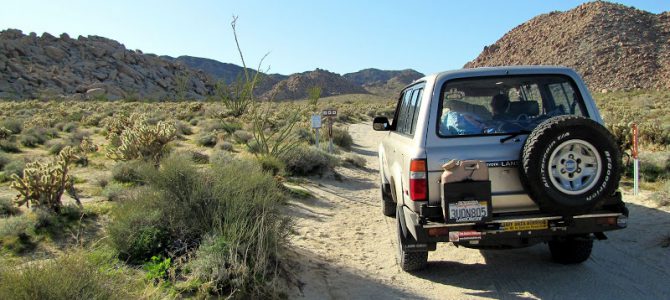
[329,112]
[316,121]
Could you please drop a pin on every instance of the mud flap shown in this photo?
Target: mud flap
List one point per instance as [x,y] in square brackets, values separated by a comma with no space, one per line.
[408,233]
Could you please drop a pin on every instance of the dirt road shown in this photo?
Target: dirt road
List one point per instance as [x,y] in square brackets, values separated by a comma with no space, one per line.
[345,249]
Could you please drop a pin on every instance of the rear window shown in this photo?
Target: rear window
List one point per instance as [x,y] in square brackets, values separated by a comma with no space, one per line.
[505,104]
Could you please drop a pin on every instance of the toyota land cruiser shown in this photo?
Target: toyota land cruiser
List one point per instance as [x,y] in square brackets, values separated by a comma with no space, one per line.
[553,168]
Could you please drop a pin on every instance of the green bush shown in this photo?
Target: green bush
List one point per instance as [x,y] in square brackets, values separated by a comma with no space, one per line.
[7,207]
[271,164]
[227,146]
[15,233]
[237,216]
[183,128]
[342,138]
[113,191]
[35,136]
[304,161]
[4,160]
[9,146]
[15,167]
[242,137]
[206,140]
[14,125]
[137,231]
[70,127]
[198,158]
[130,171]
[72,276]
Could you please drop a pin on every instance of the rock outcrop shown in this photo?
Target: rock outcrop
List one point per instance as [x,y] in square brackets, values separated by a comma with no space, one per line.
[611,45]
[46,66]
[296,85]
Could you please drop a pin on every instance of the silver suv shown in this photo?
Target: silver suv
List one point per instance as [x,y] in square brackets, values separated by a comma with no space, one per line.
[553,168]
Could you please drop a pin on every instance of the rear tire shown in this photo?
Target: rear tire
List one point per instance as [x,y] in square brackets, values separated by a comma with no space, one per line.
[408,261]
[388,205]
[573,250]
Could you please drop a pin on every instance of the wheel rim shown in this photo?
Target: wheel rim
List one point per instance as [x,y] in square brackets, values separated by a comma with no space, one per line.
[575,167]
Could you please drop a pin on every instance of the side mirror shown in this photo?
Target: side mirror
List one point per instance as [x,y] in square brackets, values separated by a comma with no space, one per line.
[381,124]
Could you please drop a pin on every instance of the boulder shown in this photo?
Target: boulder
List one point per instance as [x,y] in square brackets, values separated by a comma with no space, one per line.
[95,93]
[55,53]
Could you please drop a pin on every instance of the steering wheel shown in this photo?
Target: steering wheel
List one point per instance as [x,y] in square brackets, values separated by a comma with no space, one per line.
[522,117]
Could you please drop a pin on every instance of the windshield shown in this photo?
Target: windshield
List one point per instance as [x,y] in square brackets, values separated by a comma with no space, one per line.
[506,104]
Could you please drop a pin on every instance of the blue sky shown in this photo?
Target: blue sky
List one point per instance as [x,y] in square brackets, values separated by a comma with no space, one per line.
[300,35]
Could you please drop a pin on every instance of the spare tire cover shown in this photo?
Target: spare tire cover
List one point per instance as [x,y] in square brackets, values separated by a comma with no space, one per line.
[570,164]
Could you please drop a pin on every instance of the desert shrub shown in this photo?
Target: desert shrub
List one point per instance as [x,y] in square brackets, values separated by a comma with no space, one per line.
[254,147]
[653,170]
[183,128]
[231,127]
[206,140]
[342,138]
[354,160]
[70,127]
[242,136]
[137,231]
[35,136]
[113,191]
[5,133]
[56,146]
[7,207]
[15,234]
[72,276]
[227,146]
[130,171]
[237,216]
[271,164]
[14,167]
[304,161]
[14,125]
[4,160]
[9,146]
[198,158]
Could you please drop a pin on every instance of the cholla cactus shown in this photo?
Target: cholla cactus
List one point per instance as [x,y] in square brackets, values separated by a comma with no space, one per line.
[142,141]
[5,133]
[43,183]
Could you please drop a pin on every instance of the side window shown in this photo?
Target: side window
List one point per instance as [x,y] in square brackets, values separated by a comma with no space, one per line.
[416,105]
[402,113]
[565,97]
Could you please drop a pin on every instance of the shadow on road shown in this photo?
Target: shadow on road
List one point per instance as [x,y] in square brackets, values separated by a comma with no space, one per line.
[632,263]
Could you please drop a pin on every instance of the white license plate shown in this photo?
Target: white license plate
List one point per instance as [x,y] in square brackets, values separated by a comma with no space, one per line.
[468,211]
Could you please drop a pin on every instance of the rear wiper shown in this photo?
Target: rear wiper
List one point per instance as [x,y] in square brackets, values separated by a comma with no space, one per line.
[513,135]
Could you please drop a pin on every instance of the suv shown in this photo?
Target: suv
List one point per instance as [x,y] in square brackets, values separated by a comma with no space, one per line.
[553,168]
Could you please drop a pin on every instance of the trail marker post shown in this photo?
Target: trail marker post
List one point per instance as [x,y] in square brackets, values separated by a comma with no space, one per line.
[330,114]
[636,161]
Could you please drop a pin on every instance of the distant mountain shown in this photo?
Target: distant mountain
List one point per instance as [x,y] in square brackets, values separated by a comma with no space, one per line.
[613,46]
[218,70]
[382,82]
[296,85]
[375,76]
[46,66]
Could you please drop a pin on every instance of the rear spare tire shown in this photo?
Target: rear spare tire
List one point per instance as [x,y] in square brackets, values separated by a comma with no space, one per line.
[570,164]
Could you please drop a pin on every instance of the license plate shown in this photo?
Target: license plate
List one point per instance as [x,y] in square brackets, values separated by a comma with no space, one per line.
[524,225]
[468,211]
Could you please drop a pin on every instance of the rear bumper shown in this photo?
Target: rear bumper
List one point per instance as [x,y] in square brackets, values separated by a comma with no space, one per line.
[494,234]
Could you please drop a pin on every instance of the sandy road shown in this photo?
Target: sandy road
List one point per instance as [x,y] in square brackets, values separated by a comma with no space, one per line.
[345,249]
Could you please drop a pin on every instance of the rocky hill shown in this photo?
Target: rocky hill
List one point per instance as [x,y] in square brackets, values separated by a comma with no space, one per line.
[613,46]
[367,77]
[218,70]
[383,82]
[296,85]
[45,66]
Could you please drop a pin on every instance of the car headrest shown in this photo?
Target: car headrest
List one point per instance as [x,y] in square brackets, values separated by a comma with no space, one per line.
[530,108]
[464,107]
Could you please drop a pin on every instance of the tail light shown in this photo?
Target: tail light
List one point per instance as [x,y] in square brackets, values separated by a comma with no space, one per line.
[418,180]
